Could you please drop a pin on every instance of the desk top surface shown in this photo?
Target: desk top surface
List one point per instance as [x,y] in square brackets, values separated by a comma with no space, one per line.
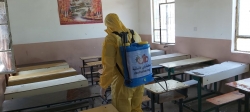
[215,69]
[46,84]
[167,56]
[241,84]
[171,84]
[90,57]
[156,50]
[104,108]
[186,62]
[41,65]
[94,63]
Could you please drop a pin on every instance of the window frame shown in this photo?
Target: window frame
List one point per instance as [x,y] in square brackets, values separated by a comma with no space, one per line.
[236,36]
[160,29]
[10,50]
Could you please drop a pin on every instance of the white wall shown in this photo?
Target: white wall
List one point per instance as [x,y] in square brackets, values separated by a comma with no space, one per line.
[212,18]
[34,21]
[145,17]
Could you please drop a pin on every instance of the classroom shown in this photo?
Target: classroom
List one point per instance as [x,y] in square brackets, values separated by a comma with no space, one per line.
[124,55]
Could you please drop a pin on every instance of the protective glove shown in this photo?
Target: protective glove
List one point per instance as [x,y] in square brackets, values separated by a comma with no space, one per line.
[102,92]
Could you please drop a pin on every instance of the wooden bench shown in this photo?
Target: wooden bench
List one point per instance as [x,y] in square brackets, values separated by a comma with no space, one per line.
[87,60]
[92,64]
[104,108]
[42,76]
[227,98]
[190,82]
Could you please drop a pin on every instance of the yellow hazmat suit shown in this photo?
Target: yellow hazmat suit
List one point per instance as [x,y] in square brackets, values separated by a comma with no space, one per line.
[125,99]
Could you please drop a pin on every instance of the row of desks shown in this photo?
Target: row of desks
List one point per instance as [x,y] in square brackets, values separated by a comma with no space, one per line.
[184,60]
[43,78]
[171,61]
[177,60]
[204,75]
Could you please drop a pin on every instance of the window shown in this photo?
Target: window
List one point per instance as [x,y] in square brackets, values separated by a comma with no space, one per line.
[242,33]
[7,65]
[163,21]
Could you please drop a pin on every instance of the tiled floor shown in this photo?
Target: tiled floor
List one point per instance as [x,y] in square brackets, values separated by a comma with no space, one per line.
[61,96]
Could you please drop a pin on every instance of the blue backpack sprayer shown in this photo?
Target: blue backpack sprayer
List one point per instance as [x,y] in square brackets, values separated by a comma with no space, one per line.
[136,60]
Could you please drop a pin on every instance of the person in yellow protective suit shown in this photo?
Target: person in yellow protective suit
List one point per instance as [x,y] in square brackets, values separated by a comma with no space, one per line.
[124,99]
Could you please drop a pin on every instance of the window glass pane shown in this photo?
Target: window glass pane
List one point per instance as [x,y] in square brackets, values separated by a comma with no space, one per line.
[2,8]
[156,12]
[5,62]
[243,44]
[168,23]
[4,38]
[3,19]
[163,16]
[164,35]
[157,36]
[244,17]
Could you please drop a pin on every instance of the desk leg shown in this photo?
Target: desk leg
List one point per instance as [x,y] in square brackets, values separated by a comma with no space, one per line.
[169,72]
[92,81]
[199,95]
[215,87]
[180,105]
[236,78]
[83,63]
[161,105]
[152,102]
[246,101]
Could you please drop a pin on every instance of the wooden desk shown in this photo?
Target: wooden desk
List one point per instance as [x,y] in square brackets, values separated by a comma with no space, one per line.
[186,62]
[92,64]
[84,62]
[105,108]
[41,65]
[155,88]
[41,76]
[192,61]
[216,73]
[42,70]
[156,60]
[244,87]
[219,72]
[50,86]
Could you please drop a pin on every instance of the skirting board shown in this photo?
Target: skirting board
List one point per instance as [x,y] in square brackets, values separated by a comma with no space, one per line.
[50,86]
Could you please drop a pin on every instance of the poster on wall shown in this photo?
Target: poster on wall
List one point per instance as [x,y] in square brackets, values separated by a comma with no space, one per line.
[80,11]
